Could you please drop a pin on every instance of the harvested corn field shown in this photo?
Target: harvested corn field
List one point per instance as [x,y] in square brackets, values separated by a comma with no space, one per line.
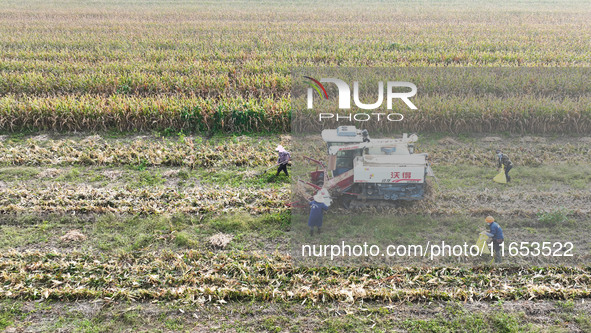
[199,176]
[146,207]
[137,166]
[235,277]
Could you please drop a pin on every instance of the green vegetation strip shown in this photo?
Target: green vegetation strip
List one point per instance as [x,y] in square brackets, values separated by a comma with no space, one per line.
[238,114]
[205,276]
[137,114]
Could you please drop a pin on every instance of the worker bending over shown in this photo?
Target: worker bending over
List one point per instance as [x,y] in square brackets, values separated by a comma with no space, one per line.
[496,233]
[284,158]
[503,159]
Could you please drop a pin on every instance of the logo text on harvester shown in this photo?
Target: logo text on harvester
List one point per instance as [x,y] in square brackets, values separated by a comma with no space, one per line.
[344,93]
[428,250]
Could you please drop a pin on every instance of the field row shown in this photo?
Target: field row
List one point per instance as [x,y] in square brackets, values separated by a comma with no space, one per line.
[94,150]
[450,114]
[55,197]
[203,83]
[528,203]
[238,34]
[215,80]
[137,114]
[259,152]
[204,277]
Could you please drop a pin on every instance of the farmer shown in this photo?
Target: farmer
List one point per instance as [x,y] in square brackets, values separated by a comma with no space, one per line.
[365,135]
[504,160]
[317,206]
[496,234]
[284,158]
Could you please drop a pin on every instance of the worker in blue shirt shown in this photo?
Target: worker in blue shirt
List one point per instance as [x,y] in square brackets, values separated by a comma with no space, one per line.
[317,208]
[496,234]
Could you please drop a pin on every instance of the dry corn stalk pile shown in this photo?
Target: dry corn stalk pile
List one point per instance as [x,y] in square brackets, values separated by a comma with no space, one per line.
[252,152]
[96,151]
[58,198]
[205,277]
[87,199]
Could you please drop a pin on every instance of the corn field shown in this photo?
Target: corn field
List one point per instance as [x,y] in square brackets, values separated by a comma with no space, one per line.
[187,68]
[143,106]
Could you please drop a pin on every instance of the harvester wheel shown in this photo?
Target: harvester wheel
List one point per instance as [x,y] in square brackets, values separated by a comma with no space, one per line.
[346,200]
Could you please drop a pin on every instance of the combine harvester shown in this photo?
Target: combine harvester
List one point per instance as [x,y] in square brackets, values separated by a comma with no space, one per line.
[365,172]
